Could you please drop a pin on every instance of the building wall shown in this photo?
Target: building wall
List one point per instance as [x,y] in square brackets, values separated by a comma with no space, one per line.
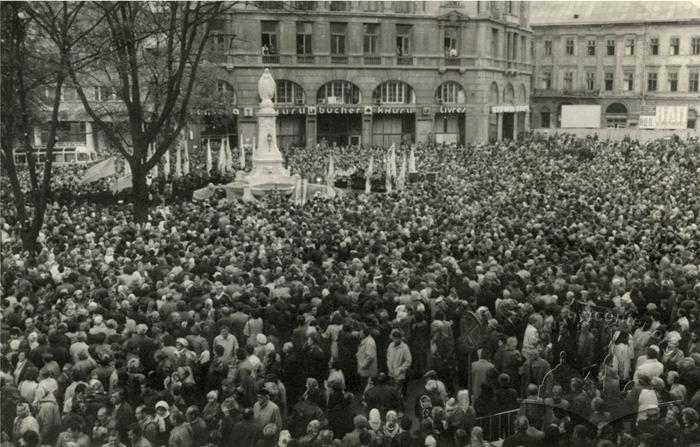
[637,101]
[475,66]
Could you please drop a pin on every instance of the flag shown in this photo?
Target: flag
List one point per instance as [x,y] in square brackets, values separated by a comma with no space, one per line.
[229,155]
[123,181]
[331,172]
[178,160]
[186,159]
[401,181]
[368,175]
[412,160]
[242,157]
[105,168]
[221,165]
[151,152]
[387,176]
[392,160]
[166,164]
[209,163]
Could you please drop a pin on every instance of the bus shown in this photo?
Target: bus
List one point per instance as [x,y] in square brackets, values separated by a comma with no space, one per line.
[62,155]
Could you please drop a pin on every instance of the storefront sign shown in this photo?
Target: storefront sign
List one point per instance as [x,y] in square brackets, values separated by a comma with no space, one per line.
[292,111]
[216,112]
[453,109]
[395,110]
[647,122]
[341,110]
[671,117]
[510,109]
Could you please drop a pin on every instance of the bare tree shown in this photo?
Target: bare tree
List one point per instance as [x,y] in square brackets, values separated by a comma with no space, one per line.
[29,64]
[148,53]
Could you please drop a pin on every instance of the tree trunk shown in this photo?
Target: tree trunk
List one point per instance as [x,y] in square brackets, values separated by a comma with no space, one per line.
[139,192]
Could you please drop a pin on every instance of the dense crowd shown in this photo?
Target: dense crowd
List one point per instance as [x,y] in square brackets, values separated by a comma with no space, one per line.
[352,321]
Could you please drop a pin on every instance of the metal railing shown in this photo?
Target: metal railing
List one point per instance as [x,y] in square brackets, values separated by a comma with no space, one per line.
[271,59]
[339,60]
[452,61]
[306,59]
[404,60]
[373,60]
[499,425]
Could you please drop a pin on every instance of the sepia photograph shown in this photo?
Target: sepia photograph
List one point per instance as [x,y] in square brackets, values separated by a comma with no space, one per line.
[350,223]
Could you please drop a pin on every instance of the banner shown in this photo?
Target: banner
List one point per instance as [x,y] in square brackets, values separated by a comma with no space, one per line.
[671,117]
[105,168]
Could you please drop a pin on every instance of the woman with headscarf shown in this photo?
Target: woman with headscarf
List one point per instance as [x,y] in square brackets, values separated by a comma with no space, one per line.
[163,423]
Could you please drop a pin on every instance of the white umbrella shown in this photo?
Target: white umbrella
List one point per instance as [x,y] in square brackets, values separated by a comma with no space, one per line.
[412,160]
[178,161]
[209,163]
[368,175]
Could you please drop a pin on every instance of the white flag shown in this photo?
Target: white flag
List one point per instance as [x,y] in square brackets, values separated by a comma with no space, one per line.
[401,181]
[166,164]
[222,158]
[368,175]
[412,160]
[186,159]
[209,163]
[387,175]
[178,161]
[229,155]
[392,161]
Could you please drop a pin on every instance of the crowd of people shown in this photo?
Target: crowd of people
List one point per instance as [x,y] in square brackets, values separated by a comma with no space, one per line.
[539,293]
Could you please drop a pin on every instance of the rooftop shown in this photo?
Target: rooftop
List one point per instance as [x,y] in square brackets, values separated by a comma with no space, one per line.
[607,12]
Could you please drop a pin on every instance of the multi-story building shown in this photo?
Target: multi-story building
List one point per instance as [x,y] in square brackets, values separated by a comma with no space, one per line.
[628,57]
[376,72]
[352,72]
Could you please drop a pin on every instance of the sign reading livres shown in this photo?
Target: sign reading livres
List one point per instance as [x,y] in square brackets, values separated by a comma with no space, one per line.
[453,109]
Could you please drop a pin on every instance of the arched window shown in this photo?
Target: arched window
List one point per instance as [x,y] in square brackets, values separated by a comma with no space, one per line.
[394,92]
[616,108]
[225,91]
[450,92]
[522,97]
[616,115]
[289,92]
[339,92]
[509,94]
[493,93]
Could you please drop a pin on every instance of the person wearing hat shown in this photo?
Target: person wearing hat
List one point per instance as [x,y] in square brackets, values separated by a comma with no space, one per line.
[163,423]
[398,360]
[265,411]
[366,355]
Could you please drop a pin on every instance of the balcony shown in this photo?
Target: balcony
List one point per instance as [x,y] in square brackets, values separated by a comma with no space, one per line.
[565,92]
[404,60]
[306,59]
[339,60]
[271,59]
[373,60]
[452,61]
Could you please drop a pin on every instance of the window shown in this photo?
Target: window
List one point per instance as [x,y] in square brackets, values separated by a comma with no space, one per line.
[269,37]
[403,40]
[673,82]
[547,47]
[339,92]
[569,47]
[451,44]
[337,5]
[338,38]
[69,93]
[494,42]
[67,132]
[609,81]
[509,7]
[450,92]
[305,6]
[568,80]
[217,43]
[546,80]
[523,47]
[304,38]
[692,118]
[654,46]
[224,90]
[611,47]
[591,47]
[401,7]
[545,119]
[371,38]
[590,80]
[393,92]
[695,45]
[289,92]
[675,46]
[628,83]
[693,80]
[651,82]
[102,93]
[629,47]
[372,6]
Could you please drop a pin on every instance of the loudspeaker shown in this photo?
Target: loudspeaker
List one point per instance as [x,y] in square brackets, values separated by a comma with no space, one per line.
[431,177]
[413,177]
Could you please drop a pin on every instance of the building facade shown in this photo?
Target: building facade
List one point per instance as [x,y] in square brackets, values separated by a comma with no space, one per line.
[628,57]
[375,72]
